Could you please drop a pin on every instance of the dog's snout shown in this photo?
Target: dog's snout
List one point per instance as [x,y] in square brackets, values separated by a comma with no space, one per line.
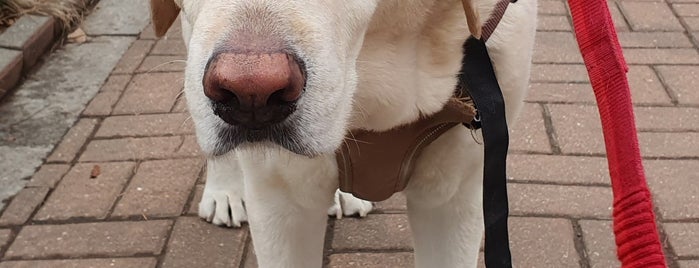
[253,90]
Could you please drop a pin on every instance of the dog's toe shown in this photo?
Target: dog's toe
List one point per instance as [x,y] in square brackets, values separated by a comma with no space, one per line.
[347,205]
[221,208]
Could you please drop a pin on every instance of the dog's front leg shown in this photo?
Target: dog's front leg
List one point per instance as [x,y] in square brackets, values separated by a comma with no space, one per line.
[287,197]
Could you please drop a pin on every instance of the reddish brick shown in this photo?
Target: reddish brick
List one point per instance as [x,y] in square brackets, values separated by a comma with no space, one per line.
[81,196]
[250,258]
[599,243]
[569,73]
[556,47]
[48,175]
[682,81]
[654,39]
[689,264]
[529,132]
[190,147]
[686,9]
[560,92]
[558,169]
[148,125]
[173,46]
[131,149]
[578,129]
[554,23]
[373,260]
[574,201]
[23,205]
[69,147]
[133,57]
[163,64]
[669,144]
[646,87]
[684,238]
[541,242]
[650,16]
[395,204]
[102,104]
[552,7]
[661,56]
[159,188]
[4,237]
[196,243]
[667,118]
[194,202]
[618,18]
[114,239]
[116,83]
[375,232]
[150,93]
[674,187]
[180,105]
[84,263]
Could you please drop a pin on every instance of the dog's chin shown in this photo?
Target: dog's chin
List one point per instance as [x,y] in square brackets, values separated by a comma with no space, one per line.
[288,137]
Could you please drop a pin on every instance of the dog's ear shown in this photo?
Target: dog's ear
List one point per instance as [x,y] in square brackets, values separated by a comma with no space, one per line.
[163,13]
[473,19]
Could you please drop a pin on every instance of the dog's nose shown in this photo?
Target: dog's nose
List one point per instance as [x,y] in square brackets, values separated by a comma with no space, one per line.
[253,90]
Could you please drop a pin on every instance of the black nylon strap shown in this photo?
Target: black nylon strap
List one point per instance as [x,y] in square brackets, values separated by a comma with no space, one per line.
[478,77]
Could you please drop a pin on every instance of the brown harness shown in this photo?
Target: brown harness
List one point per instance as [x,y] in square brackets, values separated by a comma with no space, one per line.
[375,165]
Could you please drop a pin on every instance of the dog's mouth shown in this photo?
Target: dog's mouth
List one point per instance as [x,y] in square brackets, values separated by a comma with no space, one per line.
[283,134]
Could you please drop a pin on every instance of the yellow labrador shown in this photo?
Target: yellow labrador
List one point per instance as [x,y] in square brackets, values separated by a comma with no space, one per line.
[273,86]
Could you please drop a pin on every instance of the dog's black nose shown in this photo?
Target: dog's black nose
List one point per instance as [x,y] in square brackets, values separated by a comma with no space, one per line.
[253,90]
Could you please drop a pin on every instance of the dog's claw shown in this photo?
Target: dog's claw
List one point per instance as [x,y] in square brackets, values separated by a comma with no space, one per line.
[347,205]
[222,208]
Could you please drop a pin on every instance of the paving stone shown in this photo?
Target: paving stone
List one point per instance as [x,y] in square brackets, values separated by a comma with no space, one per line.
[118,17]
[372,260]
[678,145]
[674,187]
[32,35]
[194,202]
[552,7]
[529,132]
[150,93]
[646,87]
[375,232]
[48,175]
[79,195]
[114,239]
[573,201]
[4,237]
[558,169]
[131,149]
[133,57]
[23,205]
[661,56]
[163,64]
[684,238]
[250,258]
[672,119]
[542,242]
[554,23]
[654,40]
[148,125]
[578,128]
[84,263]
[599,243]
[170,46]
[196,243]
[650,16]
[159,188]
[190,147]
[116,83]
[689,264]
[17,164]
[174,32]
[568,73]
[10,69]
[618,18]
[102,104]
[180,105]
[692,23]
[396,204]
[560,92]
[681,80]
[556,47]
[73,141]
[686,9]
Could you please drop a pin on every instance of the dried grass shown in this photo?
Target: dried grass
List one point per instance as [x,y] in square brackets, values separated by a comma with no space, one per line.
[68,12]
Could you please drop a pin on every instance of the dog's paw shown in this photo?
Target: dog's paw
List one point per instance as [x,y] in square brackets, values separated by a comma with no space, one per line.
[348,205]
[222,207]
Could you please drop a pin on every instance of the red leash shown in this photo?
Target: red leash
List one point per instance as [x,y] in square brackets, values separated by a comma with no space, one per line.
[638,244]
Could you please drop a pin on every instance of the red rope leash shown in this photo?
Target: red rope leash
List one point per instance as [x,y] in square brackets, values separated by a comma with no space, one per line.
[638,244]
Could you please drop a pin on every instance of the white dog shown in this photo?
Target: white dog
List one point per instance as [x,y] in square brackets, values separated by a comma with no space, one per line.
[273,87]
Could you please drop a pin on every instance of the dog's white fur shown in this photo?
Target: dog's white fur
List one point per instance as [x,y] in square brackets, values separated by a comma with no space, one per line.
[373,64]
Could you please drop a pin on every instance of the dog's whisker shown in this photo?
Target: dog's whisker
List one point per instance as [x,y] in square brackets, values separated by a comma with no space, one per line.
[165,63]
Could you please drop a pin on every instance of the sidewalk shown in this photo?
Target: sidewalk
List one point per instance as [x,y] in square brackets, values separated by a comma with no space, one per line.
[121,188]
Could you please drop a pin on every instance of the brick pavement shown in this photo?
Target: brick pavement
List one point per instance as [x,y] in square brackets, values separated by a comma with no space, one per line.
[113,194]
